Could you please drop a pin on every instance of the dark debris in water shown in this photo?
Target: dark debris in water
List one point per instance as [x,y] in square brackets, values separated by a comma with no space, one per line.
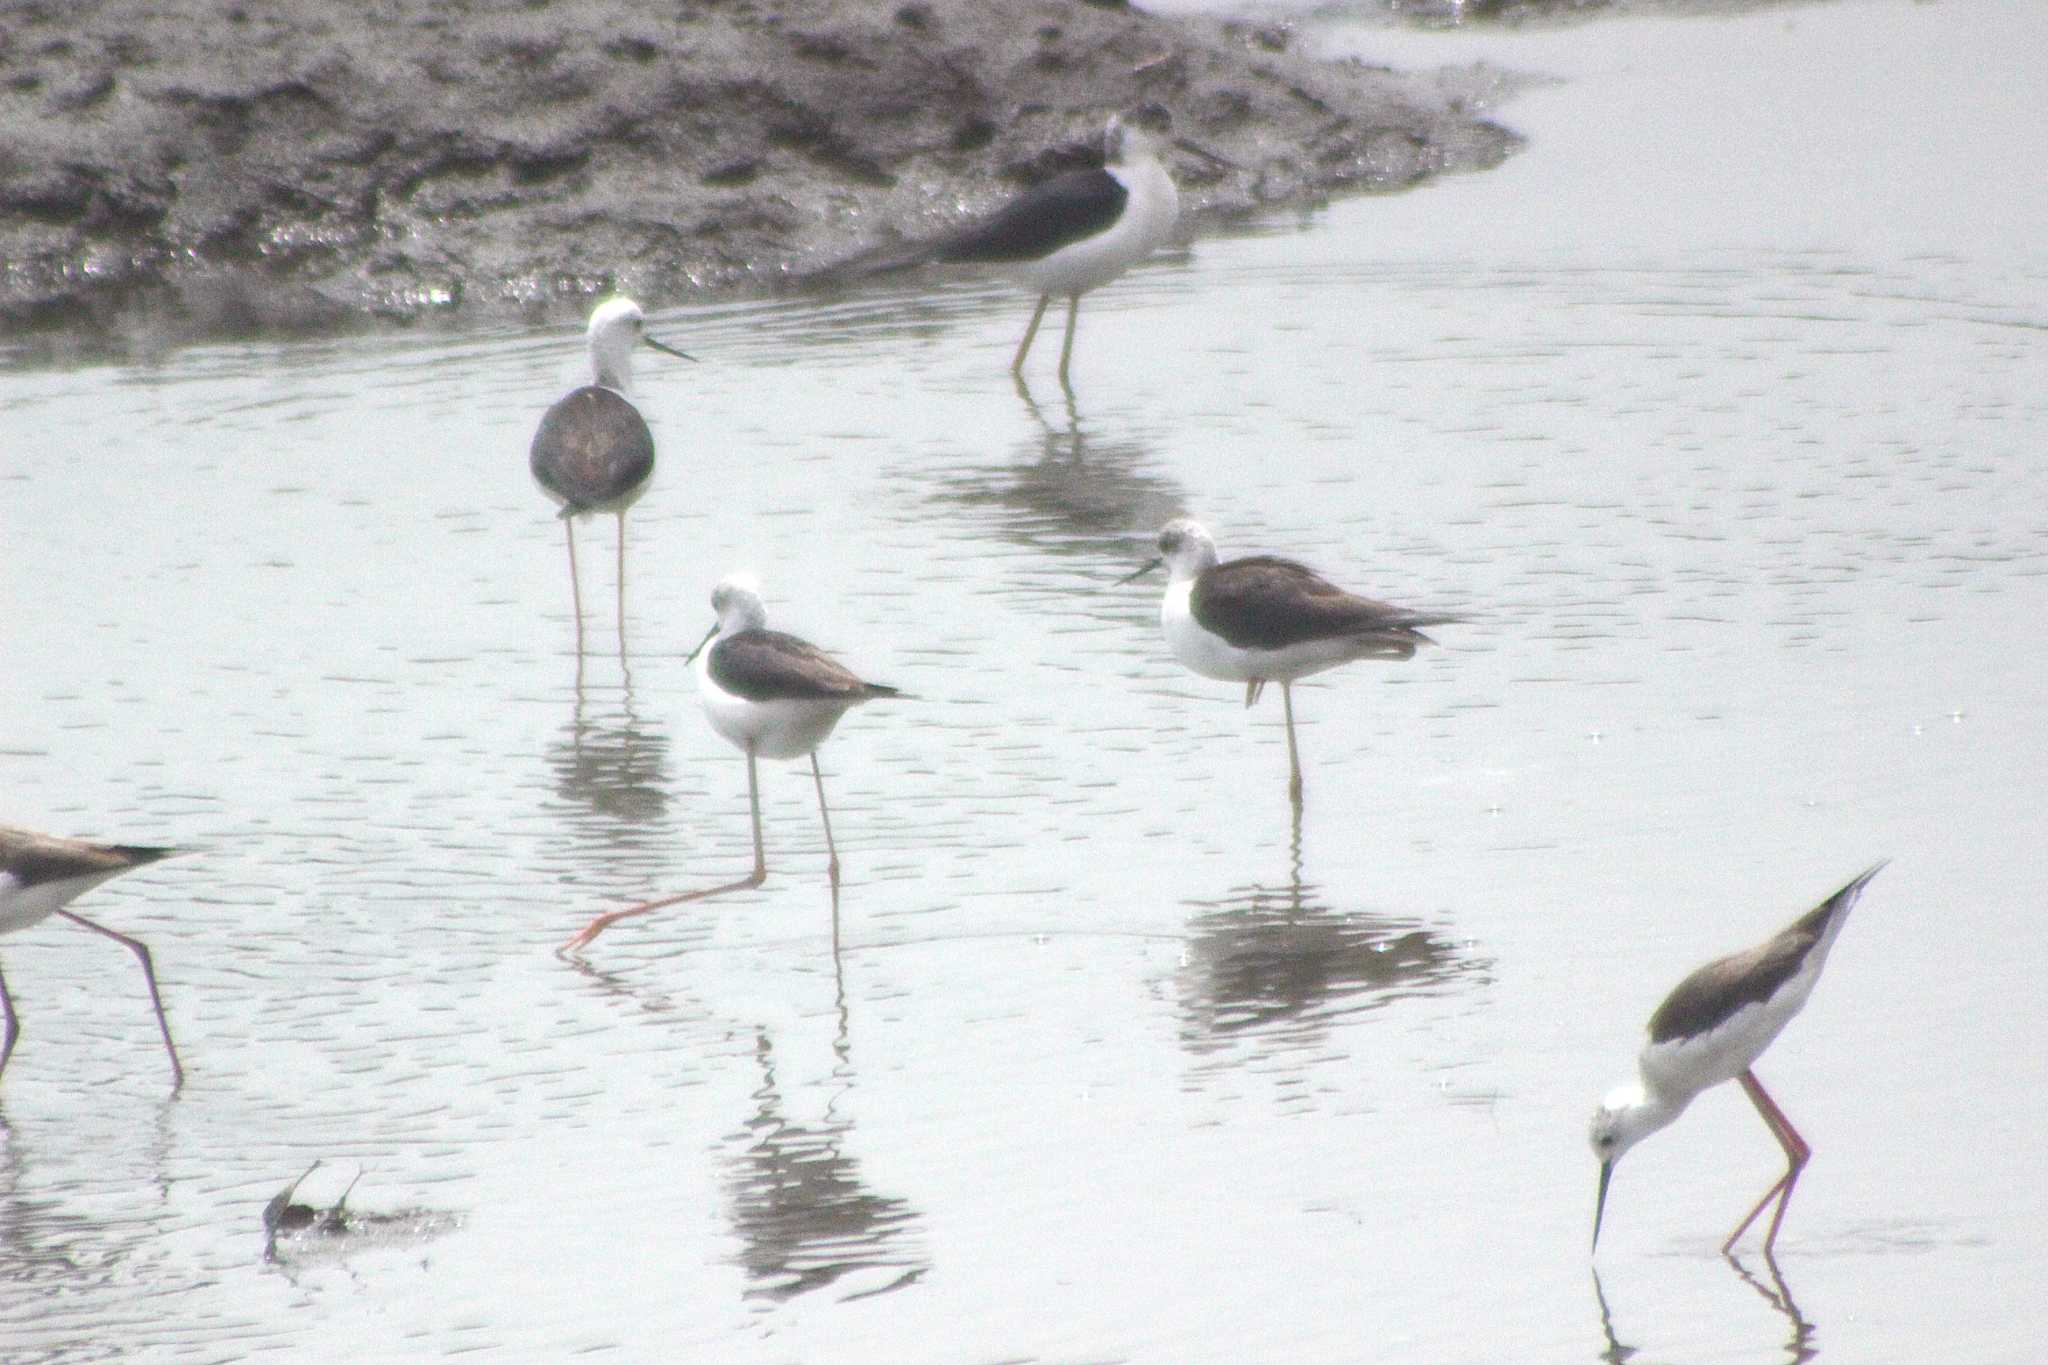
[296,1232]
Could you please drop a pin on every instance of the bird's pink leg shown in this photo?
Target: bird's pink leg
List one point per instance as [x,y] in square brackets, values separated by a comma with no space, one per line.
[589,932]
[831,849]
[13,1024]
[622,584]
[141,952]
[1293,754]
[1797,1153]
[1030,334]
[1067,348]
[575,584]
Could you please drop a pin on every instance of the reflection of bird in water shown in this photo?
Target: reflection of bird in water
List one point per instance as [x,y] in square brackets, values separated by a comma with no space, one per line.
[1799,1346]
[1278,961]
[46,1240]
[612,764]
[1617,1352]
[593,452]
[1074,493]
[801,1209]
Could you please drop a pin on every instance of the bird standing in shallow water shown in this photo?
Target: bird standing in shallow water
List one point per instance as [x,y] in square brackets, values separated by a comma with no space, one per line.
[593,452]
[1711,1029]
[1262,619]
[39,875]
[772,696]
[1075,232]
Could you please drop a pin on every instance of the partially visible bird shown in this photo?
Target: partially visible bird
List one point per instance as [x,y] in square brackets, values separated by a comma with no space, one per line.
[1711,1029]
[1072,233]
[1263,619]
[40,874]
[592,451]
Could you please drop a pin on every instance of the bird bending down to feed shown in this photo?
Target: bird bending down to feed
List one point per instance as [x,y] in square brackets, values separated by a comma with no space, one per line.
[1711,1029]
[1263,619]
[40,874]
[1075,232]
[593,452]
[772,696]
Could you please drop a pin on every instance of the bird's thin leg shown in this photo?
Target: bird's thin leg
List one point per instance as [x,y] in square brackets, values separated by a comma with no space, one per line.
[1067,347]
[1293,754]
[1030,334]
[831,849]
[575,586]
[1252,690]
[13,1024]
[754,801]
[1797,1153]
[589,932]
[141,952]
[622,582]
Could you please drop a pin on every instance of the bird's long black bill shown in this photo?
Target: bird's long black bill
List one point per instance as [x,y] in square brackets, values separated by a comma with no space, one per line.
[1139,573]
[667,349]
[1600,1204]
[701,643]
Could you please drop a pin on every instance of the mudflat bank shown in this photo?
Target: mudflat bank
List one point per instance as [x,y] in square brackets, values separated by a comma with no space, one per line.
[215,167]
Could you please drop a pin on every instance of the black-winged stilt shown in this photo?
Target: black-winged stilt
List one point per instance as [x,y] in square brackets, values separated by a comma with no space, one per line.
[1262,619]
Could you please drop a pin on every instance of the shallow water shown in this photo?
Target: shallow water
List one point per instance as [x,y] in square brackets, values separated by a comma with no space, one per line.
[1727,438]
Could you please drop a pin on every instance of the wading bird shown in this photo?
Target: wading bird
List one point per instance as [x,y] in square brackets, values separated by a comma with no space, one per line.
[772,696]
[1711,1029]
[1072,233]
[1261,619]
[40,874]
[593,452]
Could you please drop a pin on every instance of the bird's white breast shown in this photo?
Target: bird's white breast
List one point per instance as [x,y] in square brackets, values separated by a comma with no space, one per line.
[1150,211]
[784,728]
[1686,1066]
[21,906]
[1202,652]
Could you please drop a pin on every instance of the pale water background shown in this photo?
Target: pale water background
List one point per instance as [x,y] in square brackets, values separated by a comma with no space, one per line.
[1721,408]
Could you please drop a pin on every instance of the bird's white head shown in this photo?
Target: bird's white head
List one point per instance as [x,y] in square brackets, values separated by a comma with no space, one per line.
[1187,547]
[616,327]
[1628,1114]
[1126,144]
[737,600]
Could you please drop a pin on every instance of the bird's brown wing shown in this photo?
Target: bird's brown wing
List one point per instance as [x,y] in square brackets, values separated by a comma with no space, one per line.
[1264,602]
[767,665]
[592,446]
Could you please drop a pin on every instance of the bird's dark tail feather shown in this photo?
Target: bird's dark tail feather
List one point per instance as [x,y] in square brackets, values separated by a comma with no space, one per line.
[144,853]
[887,258]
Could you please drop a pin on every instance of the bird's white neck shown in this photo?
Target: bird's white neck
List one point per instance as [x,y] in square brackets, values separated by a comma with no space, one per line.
[1640,1110]
[611,369]
[1154,203]
[1190,563]
[742,615]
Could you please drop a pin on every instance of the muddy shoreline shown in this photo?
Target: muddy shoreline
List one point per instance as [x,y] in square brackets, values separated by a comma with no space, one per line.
[202,168]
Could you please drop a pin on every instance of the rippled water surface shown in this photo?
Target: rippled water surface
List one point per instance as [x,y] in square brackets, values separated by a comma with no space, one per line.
[1720,410]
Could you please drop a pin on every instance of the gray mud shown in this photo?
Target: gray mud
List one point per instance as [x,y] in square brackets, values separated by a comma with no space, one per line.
[206,168]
